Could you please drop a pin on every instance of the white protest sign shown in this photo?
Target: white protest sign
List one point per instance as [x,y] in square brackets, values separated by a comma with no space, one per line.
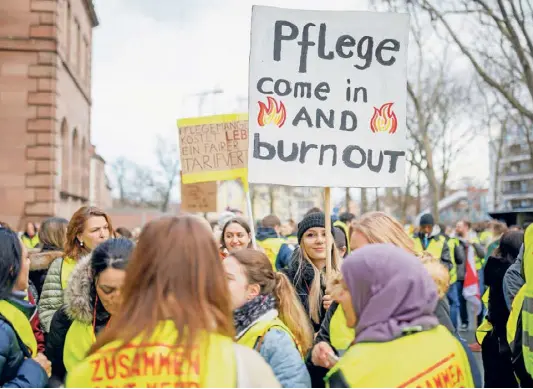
[327,98]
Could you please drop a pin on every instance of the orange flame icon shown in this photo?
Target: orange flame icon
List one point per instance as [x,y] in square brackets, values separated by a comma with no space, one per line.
[384,119]
[273,113]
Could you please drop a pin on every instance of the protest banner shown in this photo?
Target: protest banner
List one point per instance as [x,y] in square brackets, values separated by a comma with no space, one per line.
[327,98]
[213,148]
[199,197]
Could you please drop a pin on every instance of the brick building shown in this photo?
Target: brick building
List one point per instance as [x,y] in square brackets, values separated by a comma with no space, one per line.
[45,107]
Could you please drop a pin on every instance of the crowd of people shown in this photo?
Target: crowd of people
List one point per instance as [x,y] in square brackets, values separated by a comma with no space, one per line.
[186,303]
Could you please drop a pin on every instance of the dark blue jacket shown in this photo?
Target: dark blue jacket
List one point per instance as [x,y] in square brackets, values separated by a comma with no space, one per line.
[285,251]
[17,368]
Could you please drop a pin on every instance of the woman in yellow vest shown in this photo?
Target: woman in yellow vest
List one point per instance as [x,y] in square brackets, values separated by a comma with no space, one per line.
[88,227]
[30,237]
[496,351]
[269,317]
[334,336]
[20,364]
[236,235]
[378,227]
[390,299]
[174,327]
[92,298]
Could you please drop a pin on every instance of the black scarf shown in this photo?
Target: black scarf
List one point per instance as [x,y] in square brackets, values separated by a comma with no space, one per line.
[252,310]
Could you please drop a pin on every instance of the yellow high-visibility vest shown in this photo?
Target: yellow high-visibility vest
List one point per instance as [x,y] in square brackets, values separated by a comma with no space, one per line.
[67,266]
[256,332]
[486,326]
[20,324]
[271,247]
[79,340]
[512,322]
[527,308]
[435,246]
[159,362]
[452,243]
[428,359]
[32,242]
[340,335]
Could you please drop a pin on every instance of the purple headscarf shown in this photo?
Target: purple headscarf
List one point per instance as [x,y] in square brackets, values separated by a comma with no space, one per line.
[391,292]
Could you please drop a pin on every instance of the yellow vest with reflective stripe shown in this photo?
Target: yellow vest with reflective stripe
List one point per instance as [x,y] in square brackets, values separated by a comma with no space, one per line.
[435,246]
[79,340]
[67,266]
[256,332]
[20,324]
[30,243]
[159,362]
[346,230]
[453,271]
[340,335]
[527,308]
[479,260]
[516,308]
[271,247]
[428,359]
[486,326]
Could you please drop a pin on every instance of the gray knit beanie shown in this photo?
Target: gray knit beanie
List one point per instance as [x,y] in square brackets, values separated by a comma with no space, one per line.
[316,219]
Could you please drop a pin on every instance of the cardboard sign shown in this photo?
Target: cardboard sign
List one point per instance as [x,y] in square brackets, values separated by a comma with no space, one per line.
[199,197]
[213,148]
[327,98]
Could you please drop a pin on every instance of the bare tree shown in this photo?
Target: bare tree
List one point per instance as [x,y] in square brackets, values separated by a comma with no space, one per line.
[364,201]
[168,167]
[120,170]
[498,45]
[347,199]
[437,121]
[272,198]
[144,186]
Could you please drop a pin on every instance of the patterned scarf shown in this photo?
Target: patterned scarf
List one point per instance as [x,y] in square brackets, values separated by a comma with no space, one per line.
[246,315]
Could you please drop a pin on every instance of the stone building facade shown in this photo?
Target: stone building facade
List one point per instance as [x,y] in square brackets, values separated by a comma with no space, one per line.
[45,107]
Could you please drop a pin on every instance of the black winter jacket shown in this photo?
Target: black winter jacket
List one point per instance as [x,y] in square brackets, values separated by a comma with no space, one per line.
[17,368]
[302,282]
[55,342]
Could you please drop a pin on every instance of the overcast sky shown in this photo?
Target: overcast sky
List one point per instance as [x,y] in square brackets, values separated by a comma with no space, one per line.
[150,57]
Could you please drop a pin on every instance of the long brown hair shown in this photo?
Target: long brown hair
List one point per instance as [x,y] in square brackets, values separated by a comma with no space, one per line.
[73,249]
[258,270]
[53,233]
[174,273]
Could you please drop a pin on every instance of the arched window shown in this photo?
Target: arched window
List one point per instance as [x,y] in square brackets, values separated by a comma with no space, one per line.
[75,186]
[65,157]
[84,161]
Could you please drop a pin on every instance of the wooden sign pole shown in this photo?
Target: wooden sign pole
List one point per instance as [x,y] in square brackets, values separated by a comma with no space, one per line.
[251,217]
[329,237]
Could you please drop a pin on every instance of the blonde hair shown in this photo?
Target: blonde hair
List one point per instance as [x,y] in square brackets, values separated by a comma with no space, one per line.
[437,271]
[258,270]
[378,227]
[315,290]
[335,285]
